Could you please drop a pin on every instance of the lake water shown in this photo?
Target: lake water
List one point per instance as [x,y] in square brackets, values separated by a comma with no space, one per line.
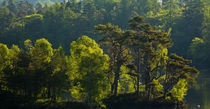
[200,95]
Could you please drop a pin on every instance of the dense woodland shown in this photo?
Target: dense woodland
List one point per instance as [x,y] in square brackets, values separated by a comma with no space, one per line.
[97,53]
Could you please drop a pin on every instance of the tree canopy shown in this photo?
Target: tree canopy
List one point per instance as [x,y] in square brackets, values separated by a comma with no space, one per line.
[43,57]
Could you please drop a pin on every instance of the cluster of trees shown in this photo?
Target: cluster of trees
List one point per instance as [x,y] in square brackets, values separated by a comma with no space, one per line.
[136,61]
[34,2]
[200,45]
[64,20]
[186,22]
[36,68]
[143,50]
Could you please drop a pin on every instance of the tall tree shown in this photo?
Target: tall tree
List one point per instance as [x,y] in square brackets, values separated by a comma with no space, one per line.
[150,48]
[4,51]
[6,17]
[118,52]
[90,65]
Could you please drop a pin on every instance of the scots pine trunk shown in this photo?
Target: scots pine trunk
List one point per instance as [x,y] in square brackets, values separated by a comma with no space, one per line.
[116,79]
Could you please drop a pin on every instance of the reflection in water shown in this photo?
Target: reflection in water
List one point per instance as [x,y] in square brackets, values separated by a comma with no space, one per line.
[199,97]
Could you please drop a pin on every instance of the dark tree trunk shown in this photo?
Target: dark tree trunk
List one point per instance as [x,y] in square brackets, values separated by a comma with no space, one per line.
[138,85]
[138,72]
[147,83]
[112,88]
[117,72]
[49,91]
[116,79]
[54,95]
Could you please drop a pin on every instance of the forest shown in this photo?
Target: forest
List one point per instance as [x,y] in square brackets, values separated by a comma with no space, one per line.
[104,54]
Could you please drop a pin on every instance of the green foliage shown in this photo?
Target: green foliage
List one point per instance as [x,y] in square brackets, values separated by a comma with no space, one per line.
[3,63]
[149,50]
[6,17]
[4,52]
[180,90]
[37,18]
[166,16]
[39,71]
[126,82]
[199,48]
[118,53]
[158,88]
[42,51]
[140,59]
[92,64]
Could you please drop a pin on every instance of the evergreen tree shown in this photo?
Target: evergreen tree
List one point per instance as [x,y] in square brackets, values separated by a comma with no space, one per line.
[90,65]
[118,52]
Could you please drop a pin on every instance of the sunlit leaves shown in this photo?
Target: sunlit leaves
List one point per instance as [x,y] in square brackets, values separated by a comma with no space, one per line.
[180,90]
[157,88]
[34,17]
[41,52]
[3,52]
[91,66]
[126,81]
